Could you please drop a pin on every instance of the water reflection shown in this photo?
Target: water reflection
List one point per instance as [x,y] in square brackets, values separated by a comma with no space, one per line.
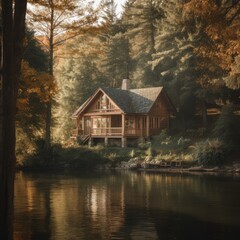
[126,205]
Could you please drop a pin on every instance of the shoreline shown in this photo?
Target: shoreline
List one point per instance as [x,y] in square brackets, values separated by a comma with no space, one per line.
[197,170]
[207,171]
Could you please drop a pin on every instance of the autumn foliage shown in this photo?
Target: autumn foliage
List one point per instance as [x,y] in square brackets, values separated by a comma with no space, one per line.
[220,21]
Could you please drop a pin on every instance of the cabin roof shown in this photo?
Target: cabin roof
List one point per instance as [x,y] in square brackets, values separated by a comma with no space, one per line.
[136,101]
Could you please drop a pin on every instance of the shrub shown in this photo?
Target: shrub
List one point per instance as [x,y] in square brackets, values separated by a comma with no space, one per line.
[144,145]
[149,152]
[132,153]
[164,143]
[209,152]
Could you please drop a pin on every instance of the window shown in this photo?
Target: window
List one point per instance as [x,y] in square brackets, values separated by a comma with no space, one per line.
[151,122]
[144,122]
[104,102]
[156,122]
[98,104]
[138,122]
[129,122]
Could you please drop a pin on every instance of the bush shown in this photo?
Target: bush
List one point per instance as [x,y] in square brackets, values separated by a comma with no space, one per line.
[209,152]
[149,152]
[164,143]
[144,145]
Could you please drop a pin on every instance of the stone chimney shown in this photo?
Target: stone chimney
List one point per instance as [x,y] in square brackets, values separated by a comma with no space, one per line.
[126,84]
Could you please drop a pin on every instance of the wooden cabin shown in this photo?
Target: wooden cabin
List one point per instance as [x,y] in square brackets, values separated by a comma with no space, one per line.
[123,114]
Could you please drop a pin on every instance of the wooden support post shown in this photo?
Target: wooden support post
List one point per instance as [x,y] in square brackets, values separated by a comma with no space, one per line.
[147,126]
[90,142]
[106,141]
[123,142]
[123,125]
[83,125]
[77,123]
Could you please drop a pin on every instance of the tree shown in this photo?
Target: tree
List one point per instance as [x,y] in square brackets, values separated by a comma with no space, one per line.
[116,60]
[219,45]
[58,21]
[13,28]
[34,53]
[187,75]
[219,20]
[174,58]
[141,18]
[78,74]
[35,89]
[36,85]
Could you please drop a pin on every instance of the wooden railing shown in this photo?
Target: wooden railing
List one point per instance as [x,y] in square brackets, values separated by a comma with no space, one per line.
[114,131]
[104,110]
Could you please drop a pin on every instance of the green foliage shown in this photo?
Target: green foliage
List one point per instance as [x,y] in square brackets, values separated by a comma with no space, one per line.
[209,152]
[75,157]
[165,143]
[77,80]
[141,18]
[132,153]
[149,152]
[34,54]
[116,61]
[144,145]
[34,89]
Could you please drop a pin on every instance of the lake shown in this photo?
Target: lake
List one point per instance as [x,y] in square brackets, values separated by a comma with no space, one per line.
[126,205]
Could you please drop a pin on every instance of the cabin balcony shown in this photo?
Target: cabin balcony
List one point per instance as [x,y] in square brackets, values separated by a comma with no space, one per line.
[113,131]
[109,132]
[117,132]
[119,126]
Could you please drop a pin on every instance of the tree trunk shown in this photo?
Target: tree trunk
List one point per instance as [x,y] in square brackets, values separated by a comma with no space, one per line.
[13,27]
[47,144]
[1,105]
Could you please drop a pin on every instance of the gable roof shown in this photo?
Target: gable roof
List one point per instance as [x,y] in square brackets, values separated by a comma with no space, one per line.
[134,100]
[137,101]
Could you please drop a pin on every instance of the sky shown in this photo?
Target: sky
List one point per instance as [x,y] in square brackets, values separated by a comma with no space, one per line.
[118,2]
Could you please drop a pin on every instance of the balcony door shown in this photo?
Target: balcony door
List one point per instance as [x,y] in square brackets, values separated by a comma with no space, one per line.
[87,125]
[100,125]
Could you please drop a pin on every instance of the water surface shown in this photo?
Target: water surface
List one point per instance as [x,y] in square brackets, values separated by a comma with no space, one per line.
[126,205]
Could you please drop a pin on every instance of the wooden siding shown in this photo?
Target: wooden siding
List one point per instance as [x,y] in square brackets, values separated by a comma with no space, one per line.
[159,116]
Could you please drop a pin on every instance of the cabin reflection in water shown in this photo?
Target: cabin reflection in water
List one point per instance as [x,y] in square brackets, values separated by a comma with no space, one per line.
[125,206]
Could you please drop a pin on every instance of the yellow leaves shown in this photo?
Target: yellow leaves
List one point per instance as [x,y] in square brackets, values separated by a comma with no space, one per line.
[48,87]
[200,8]
[33,83]
[221,24]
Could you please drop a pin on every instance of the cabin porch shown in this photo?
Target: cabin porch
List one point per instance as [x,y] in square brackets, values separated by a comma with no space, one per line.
[112,126]
[121,126]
